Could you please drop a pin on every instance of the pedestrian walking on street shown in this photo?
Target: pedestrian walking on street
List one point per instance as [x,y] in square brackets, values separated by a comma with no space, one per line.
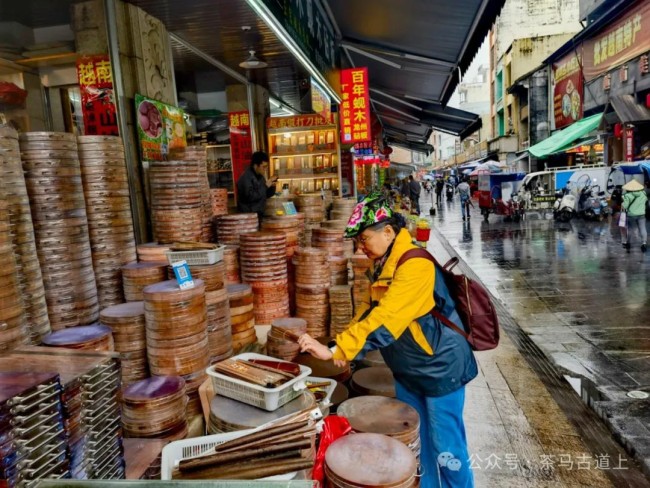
[253,187]
[415,188]
[465,193]
[634,205]
[430,362]
[440,185]
[404,189]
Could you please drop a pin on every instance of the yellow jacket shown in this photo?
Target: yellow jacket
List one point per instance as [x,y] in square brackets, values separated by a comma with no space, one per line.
[399,299]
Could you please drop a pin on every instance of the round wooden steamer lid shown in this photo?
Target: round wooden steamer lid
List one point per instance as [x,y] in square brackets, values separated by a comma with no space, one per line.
[370,460]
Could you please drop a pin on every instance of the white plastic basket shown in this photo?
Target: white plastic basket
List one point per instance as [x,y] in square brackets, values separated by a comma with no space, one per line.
[329,390]
[177,451]
[196,258]
[269,399]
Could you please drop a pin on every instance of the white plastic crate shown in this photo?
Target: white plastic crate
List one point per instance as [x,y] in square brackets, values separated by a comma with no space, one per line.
[266,398]
[196,258]
[177,451]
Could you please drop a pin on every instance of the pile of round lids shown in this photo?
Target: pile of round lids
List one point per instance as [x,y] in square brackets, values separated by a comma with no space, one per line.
[30,279]
[176,201]
[382,415]
[313,207]
[348,244]
[242,316]
[152,252]
[342,209]
[312,284]
[56,196]
[127,323]
[293,227]
[331,240]
[198,155]
[377,380]
[231,258]
[361,267]
[278,344]
[137,276]
[110,224]
[12,314]
[341,309]
[263,258]
[370,460]
[275,206]
[88,338]
[219,198]
[155,408]
[176,331]
[230,227]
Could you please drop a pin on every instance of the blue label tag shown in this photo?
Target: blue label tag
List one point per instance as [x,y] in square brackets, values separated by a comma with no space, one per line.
[183,275]
[289,208]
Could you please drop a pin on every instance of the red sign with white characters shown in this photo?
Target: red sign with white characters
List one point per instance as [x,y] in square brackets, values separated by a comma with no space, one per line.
[355,106]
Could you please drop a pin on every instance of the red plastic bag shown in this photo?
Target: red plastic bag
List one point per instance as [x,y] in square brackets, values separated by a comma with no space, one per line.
[11,94]
[334,428]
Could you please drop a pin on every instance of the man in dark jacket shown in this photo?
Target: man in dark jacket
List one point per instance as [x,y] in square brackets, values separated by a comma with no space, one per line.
[253,187]
[415,189]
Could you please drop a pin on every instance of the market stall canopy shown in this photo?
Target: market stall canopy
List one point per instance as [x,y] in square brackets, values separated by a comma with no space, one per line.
[565,138]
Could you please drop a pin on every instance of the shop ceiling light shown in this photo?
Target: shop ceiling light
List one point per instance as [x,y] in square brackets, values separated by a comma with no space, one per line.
[253,62]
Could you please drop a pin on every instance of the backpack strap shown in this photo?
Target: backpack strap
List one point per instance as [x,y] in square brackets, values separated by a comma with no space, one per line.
[422,253]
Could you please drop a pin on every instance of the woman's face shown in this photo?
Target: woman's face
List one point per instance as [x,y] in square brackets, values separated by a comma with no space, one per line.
[375,243]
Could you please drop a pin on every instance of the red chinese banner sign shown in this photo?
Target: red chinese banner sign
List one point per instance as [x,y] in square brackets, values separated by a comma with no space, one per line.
[297,121]
[623,40]
[320,102]
[568,91]
[355,106]
[97,101]
[241,144]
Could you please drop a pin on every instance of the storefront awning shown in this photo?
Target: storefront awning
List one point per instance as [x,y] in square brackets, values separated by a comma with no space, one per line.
[629,110]
[565,138]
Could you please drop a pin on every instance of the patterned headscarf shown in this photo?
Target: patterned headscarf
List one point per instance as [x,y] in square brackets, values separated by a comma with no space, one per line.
[370,211]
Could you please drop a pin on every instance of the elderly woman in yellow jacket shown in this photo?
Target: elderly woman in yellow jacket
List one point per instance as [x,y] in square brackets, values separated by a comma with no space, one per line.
[430,362]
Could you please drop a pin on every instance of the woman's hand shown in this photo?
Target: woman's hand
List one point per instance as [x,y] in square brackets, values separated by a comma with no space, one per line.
[313,347]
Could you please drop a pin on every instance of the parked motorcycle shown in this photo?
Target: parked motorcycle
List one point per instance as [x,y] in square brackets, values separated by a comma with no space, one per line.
[592,203]
[565,205]
[449,191]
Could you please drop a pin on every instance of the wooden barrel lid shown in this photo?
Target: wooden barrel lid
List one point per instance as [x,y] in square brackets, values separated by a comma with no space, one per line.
[377,380]
[380,415]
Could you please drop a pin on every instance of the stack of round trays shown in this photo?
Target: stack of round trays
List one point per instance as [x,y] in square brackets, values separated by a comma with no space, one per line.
[198,155]
[87,337]
[382,415]
[341,309]
[231,258]
[152,252]
[278,345]
[312,205]
[242,315]
[110,223]
[13,322]
[376,380]
[369,461]
[331,240]
[312,284]
[275,206]
[342,208]
[137,276]
[219,201]
[348,244]
[263,258]
[30,279]
[56,195]
[361,266]
[212,275]
[155,408]
[127,323]
[176,201]
[177,334]
[230,227]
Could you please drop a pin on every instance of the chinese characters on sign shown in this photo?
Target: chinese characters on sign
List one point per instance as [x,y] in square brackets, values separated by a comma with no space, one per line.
[296,121]
[568,91]
[320,102]
[161,128]
[96,87]
[355,106]
[624,40]
[241,144]
[548,462]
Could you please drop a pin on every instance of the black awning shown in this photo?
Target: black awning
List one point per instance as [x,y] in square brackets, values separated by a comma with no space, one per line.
[629,110]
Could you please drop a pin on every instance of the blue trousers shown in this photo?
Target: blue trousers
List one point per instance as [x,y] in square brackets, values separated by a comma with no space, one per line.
[464,208]
[444,457]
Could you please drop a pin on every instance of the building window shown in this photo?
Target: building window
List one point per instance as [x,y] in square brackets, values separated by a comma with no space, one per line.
[498,86]
[501,129]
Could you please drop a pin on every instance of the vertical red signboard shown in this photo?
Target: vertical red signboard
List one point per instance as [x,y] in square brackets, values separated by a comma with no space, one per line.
[629,143]
[241,144]
[97,101]
[355,106]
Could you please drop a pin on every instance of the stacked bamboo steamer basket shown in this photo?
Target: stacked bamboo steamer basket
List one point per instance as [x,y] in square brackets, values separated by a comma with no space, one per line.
[127,324]
[153,251]
[56,195]
[13,322]
[278,345]
[361,267]
[331,240]
[23,241]
[85,337]
[155,408]
[348,244]
[230,227]
[137,276]
[312,284]
[231,258]
[177,334]
[342,208]
[110,223]
[198,155]
[341,308]
[219,198]
[242,315]
[176,201]
[313,207]
[263,258]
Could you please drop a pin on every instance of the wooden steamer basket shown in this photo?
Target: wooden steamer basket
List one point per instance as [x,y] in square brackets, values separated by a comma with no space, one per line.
[312,285]
[361,269]
[242,316]
[229,227]
[137,276]
[219,198]
[219,325]
[153,252]
[341,308]
[278,345]
[231,258]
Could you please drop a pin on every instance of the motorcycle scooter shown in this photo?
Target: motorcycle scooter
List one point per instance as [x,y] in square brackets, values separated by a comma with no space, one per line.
[565,205]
